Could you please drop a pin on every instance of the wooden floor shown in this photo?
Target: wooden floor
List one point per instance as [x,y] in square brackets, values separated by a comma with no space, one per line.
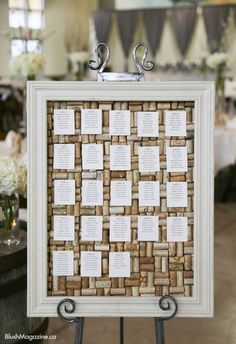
[219,330]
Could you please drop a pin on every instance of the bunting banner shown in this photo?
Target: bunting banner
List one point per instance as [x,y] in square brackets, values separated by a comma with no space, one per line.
[215,18]
[154,22]
[183,21]
[102,24]
[127,21]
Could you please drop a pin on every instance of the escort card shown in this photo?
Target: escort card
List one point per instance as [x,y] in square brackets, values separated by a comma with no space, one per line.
[149,159]
[177,228]
[91,228]
[120,228]
[119,122]
[176,159]
[92,192]
[64,227]
[64,122]
[148,124]
[63,263]
[177,194]
[175,123]
[91,121]
[148,228]
[121,193]
[119,264]
[90,264]
[92,156]
[120,158]
[64,156]
[64,192]
[149,193]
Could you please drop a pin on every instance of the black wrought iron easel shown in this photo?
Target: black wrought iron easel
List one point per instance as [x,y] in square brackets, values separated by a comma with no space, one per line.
[166,303]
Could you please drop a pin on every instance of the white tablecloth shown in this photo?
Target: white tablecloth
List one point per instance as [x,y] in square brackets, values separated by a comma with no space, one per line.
[225,147]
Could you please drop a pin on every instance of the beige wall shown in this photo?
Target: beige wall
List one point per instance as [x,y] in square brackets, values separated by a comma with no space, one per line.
[4,43]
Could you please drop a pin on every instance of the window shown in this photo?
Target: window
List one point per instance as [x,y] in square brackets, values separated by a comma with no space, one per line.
[26,22]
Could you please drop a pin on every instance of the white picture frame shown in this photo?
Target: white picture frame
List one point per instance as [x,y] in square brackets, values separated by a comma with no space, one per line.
[38,93]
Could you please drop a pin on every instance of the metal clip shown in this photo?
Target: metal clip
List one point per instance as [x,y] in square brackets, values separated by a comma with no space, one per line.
[107,76]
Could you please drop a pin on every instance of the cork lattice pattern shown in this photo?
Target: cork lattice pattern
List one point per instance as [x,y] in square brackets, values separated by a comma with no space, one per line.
[157,268]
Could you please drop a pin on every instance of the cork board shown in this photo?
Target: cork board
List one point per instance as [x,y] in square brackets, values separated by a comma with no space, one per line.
[157,268]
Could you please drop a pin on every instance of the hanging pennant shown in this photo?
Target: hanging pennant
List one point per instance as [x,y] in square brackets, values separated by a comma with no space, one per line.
[102,24]
[215,18]
[183,20]
[154,22]
[127,21]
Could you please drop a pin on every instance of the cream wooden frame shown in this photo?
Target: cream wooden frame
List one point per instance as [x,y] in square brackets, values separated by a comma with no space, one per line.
[38,93]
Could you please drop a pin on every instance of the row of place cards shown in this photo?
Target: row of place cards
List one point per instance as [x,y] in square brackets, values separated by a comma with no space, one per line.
[119,262]
[120,158]
[119,228]
[121,193]
[119,122]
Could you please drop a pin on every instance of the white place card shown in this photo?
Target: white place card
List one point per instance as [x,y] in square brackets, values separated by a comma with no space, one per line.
[91,121]
[64,122]
[91,263]
[119,121]
[64,192]
[148,124]
[120,158]
[92,192]
[121,193]
[177,194]
[175,123]
[120,228]
[91,228]
[177,229]
[92,156]
[149,193]
[176,159]
[64,227]
[148,228]
[63,263]
[119,264]
[149,159]
[64,156]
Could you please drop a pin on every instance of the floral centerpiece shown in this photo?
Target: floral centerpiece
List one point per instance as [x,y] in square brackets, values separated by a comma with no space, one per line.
[27,65]
[13,181]
[218,62]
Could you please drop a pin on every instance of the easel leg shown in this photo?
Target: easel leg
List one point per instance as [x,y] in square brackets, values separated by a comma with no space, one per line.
[79,324]
[121,330]
[160,331]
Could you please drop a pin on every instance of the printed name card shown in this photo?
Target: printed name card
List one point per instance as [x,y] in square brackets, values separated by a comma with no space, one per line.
[148,228]
[64,156]
[119,122]
[63,263]
[119,264]
[64,192]
[176,159]
[121,193]
[64,227]
[120,158]
[149,159]
[91,264]
[91,227]
[92,192]
[177,194]
[177,228]
[120,228]
[64,122]
[175,123]
[148,124]
[91,121]
[149,193]
[92,156]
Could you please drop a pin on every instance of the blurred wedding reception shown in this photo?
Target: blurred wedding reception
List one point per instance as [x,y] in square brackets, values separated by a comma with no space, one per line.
[57,41]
